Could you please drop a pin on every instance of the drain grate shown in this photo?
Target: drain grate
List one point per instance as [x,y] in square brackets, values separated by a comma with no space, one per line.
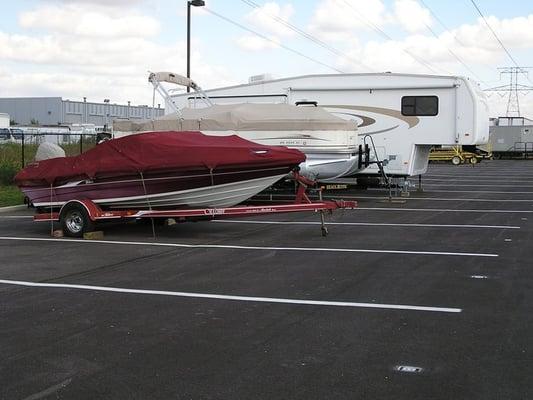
[409,369]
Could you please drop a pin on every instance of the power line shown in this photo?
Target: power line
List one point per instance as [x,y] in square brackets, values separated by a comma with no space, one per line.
[456,56]
[388,37]
[271,40]
[513,103]
[459,42]
[494,33]
[442,23]
[306,35]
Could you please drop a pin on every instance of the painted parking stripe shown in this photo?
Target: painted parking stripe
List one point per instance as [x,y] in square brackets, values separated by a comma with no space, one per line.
[442,210]
[459,191]
[231,297]
[239,221]
[424,184]
[474,179]
[238,247]
[337,197]
[479,176]
[438,199]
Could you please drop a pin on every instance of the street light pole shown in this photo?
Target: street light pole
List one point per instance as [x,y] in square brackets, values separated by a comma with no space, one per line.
[106,102]
[194,3]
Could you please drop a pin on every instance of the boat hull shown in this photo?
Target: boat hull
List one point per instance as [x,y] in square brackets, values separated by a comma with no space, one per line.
[202,190]
[217,196]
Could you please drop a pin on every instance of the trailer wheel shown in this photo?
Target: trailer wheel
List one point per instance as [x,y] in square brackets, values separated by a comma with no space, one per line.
[474,160]
[75,220]
[456,160]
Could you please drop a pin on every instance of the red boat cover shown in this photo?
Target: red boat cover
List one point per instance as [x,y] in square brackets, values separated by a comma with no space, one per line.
[159,151]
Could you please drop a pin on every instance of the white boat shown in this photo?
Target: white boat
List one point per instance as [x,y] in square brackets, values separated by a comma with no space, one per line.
[330,143]
[405,114]
[188,170]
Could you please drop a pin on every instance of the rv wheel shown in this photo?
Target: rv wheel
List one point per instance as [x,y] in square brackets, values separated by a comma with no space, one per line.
[456,160]
[75,220]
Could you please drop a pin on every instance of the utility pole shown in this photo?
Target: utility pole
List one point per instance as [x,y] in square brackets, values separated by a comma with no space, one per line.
[193,3]
[513,89]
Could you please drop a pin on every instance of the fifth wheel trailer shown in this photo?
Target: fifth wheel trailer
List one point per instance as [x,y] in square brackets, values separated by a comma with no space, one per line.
[405,114]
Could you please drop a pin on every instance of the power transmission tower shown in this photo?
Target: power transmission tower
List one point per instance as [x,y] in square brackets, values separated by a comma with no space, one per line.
[513,88]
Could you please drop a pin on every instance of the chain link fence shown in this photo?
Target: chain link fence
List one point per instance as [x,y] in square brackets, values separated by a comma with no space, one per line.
[18,148]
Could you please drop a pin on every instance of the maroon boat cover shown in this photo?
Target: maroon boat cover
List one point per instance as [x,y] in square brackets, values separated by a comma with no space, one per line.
[159,151]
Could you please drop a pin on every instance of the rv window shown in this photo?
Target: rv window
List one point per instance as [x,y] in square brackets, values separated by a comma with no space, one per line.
[420,105]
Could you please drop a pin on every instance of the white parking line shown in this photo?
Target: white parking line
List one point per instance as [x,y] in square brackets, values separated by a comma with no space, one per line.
[458,191]
[237,247]
[15,216]
[474,179]
[441,210]
[238,221]
[231,297]
[436,199]
[480,176]
[339,197]
[424,184]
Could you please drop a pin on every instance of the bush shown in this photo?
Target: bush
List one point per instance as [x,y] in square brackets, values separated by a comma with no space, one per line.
[7,173]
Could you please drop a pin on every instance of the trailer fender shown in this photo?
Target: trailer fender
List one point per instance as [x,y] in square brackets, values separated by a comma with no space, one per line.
[93,211]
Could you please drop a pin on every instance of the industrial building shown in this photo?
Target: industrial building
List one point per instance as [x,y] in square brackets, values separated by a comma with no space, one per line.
[511,137]
[56,111]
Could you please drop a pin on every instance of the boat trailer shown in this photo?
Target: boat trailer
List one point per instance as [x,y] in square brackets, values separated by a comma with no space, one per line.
[79,216]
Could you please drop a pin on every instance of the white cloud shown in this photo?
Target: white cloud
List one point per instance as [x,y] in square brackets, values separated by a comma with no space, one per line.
[267,16]
[255,43]
[75,84]
[79,19]
[107,3]
[335,20]
[339,20]
[411,15]
[68,60]
[390,56]
[514,33]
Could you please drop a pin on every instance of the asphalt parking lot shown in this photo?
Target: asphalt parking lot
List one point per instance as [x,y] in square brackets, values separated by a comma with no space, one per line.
[429,298]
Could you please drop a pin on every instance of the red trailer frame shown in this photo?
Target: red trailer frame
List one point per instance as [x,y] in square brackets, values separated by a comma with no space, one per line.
[91,213]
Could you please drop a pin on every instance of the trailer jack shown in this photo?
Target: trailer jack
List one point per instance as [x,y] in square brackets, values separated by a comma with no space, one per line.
[365,161]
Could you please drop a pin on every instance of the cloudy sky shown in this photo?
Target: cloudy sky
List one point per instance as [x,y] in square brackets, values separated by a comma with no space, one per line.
[104,48]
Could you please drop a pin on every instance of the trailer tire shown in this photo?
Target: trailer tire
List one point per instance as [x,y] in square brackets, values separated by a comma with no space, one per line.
[75,220]
[474,160]
[456,160]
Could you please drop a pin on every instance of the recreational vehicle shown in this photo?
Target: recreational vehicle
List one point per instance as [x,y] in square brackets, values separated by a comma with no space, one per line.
[4,120]
[404,114]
